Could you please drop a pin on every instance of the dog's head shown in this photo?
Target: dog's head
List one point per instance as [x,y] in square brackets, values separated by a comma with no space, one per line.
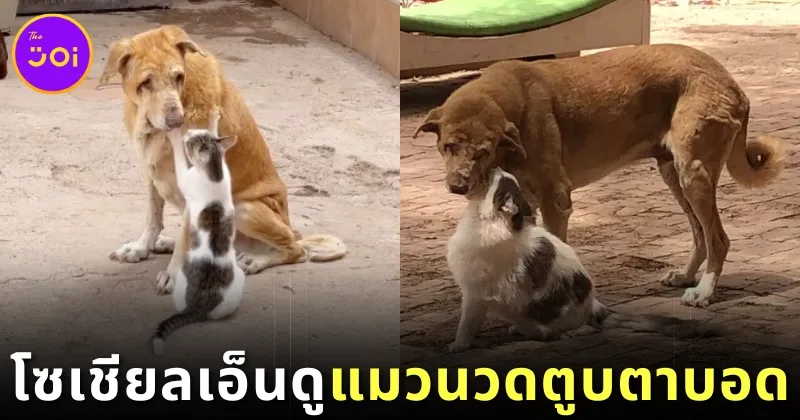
[153,69]
[471,132]
[504,199]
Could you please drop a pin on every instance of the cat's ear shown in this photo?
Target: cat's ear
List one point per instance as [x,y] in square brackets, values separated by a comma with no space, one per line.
[227,142]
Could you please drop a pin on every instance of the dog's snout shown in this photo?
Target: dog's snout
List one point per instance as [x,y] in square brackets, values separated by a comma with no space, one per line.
[457,186]
[174,117]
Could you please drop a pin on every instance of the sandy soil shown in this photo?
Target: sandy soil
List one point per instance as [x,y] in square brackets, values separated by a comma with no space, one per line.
[628,228]
[72,193]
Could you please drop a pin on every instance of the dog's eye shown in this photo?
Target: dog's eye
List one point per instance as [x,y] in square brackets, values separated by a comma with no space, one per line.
[144,85]
[179,78]
[451,147]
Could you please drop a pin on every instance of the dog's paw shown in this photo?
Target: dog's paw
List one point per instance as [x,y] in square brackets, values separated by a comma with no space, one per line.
[164,283]
[164,245]
[675,278]
[694,296]
[456,347]
[132,252]
[251,263]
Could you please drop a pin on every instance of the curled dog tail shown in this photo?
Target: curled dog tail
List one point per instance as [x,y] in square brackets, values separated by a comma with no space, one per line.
[756,163]
[169,325]
[323,248]
[661,324]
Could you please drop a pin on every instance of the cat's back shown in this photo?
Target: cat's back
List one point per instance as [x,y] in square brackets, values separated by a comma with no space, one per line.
[212,231]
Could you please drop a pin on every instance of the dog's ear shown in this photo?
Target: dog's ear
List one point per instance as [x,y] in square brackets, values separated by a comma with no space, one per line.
[431,124]
[181,40]
[187,46]
[227,142]
[119,54]
[511,138]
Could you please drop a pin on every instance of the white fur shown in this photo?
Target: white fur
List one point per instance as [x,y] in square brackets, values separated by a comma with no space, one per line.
[198,192]
[487,261]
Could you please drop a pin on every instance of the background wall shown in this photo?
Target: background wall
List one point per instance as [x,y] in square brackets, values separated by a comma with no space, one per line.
[371,27]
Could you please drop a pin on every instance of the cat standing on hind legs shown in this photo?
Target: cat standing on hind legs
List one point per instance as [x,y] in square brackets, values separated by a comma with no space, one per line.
[210,284]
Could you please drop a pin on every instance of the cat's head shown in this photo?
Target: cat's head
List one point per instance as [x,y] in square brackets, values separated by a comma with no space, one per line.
[504,199]
[203,147]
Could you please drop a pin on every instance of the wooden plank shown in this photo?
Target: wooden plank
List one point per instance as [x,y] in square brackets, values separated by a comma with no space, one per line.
[8,10]
[623,22]
[371,27]
[33,7]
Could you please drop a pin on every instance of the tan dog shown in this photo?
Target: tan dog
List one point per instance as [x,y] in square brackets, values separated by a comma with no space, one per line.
[170,83]
[559,125]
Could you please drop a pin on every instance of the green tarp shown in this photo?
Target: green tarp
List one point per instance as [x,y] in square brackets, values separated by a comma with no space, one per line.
[476,18]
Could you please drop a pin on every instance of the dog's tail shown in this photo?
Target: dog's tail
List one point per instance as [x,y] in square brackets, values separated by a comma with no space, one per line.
[756,163]
[169,325]
[322,248]
[661,324]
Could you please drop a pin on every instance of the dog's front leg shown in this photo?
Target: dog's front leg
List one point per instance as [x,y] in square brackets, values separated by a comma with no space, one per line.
[151,239]
[556,207]
[165,280]
[473,313]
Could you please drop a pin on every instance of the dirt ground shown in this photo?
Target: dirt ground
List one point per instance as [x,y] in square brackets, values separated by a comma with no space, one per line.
[627,227]
[73,192]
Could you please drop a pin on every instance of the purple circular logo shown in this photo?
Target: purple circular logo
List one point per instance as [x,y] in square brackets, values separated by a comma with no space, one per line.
[52,53]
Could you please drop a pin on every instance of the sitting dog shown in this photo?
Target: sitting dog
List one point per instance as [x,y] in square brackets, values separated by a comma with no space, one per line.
[528,276]
[558,125]
[170,83]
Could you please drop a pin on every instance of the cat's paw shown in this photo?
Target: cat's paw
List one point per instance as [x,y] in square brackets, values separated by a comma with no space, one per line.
[458,347]
[132,252]
[215,114]
[514,330]
[165,283]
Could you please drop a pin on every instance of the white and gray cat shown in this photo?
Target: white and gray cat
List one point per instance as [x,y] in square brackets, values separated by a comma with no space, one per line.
[210,284]
[507,265]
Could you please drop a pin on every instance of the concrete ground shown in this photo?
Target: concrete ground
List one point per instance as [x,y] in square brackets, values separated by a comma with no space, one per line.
[629,230]
[72,192]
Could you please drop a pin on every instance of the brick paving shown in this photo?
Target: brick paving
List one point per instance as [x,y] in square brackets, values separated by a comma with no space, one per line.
[628,229]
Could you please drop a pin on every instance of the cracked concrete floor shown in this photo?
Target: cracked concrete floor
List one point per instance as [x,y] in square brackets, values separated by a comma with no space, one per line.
[72,192]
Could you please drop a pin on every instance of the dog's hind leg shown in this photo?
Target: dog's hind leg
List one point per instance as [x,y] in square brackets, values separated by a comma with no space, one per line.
[685,277]
[703,149]
[151,239]
[259,221]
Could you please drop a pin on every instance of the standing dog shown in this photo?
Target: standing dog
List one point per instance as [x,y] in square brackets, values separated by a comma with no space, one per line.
[528,276]
[558,125]
[171,83]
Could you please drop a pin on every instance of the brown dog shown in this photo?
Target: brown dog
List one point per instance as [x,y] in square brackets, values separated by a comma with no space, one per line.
[170,83]
[558,125]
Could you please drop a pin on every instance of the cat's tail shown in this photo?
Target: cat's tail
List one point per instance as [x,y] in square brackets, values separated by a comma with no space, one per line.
[661,324]
[169,325]
[322,248]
